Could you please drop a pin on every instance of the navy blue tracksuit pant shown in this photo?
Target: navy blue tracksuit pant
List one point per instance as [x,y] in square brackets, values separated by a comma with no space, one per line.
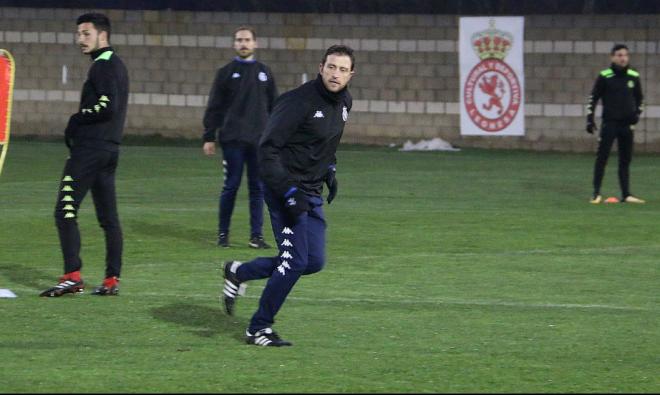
[234,156]
[301,251]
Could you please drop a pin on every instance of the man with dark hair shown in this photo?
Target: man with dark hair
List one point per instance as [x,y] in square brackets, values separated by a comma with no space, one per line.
[621,90]
[93,136]
[296,157]
[240,100]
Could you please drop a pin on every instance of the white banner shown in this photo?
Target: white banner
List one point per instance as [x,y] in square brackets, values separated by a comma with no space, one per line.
[492,76]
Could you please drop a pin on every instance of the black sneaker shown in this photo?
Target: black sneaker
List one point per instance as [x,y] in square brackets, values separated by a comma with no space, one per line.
[266,338]
[223,240]
[110,287]
[232,287]
[65,286]
[258,242]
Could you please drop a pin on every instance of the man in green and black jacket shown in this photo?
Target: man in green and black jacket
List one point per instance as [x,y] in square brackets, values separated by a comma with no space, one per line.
[620,88]
[93,136]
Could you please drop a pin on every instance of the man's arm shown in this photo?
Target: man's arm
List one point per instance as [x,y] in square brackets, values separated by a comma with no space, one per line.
[272,91]
[288,113]
[639,97]
[215,108]
[330,177]
[104,82]
[592,101]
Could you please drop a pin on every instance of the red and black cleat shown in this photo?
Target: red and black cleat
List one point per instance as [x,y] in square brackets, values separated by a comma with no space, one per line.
[70,283]
[110,287]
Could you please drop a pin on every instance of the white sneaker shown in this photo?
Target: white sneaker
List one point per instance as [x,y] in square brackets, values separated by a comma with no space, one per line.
[632,199]
[266,338]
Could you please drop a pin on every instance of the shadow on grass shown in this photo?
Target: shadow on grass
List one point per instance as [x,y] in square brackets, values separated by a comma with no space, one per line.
[205,321]
[161,230]
[28,277]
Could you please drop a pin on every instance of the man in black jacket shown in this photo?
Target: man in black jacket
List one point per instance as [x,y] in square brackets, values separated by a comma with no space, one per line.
[620,88]
[296,157]
[93,136]
[240,100]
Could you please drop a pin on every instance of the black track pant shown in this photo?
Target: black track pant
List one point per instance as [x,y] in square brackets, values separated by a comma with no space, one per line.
[624,137]
[88,169]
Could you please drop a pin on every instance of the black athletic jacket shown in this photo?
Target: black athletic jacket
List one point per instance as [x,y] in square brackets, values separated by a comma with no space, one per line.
[621,91]
[240,100]
[99,122]
[301,137]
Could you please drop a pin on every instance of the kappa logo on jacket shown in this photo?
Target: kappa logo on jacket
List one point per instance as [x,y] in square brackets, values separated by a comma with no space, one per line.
[262,76]
[235,75]
[344,114]
[319,114]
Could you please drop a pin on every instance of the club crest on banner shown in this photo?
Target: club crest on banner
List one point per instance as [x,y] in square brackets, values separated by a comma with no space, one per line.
[492,92]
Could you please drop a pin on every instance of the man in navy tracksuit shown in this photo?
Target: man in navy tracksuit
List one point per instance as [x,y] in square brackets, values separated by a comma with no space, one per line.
[240,100]
[93,136]
[620,88]
[296,157]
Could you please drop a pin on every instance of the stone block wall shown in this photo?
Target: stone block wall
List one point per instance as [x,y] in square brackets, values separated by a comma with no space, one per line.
[405,87]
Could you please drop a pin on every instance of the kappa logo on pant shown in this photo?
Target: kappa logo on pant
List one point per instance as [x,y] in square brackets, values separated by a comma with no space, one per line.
[282,268]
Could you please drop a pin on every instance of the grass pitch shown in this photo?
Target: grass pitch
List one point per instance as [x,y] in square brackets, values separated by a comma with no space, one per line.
[471,271]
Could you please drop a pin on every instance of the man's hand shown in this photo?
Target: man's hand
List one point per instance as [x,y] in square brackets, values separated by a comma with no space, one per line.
[295,203]
[331,182]
[635,119]
[209,148]
[591,125]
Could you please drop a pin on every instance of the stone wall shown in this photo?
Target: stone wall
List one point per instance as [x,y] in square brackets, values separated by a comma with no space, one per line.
[405,87]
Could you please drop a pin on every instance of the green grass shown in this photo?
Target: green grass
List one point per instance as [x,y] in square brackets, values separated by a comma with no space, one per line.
[471,271]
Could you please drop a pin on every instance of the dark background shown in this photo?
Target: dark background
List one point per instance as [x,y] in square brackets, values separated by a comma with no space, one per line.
[464,7]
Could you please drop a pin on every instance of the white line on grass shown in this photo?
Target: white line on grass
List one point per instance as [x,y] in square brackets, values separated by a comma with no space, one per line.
[23,291]
[599,250]
[416,301]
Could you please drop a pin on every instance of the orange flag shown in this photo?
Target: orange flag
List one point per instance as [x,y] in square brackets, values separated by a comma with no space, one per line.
[6,90]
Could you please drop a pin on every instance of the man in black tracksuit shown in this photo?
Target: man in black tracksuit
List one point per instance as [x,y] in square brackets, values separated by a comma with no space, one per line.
[620,88]
[296,157]
[241,98]
[93,135]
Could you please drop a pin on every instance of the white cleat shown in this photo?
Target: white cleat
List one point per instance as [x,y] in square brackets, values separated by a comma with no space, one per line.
[632,199]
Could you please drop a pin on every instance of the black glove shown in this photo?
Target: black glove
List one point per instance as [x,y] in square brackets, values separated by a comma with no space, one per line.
[635,119]
[331,182]
[591,125]
[295,203]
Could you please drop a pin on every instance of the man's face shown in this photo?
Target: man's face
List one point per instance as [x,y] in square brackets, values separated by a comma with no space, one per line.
[244,43]
[621,57]
[89,39]
[336,72]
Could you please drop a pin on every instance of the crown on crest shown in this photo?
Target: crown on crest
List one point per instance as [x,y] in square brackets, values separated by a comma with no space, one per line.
[491,43]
